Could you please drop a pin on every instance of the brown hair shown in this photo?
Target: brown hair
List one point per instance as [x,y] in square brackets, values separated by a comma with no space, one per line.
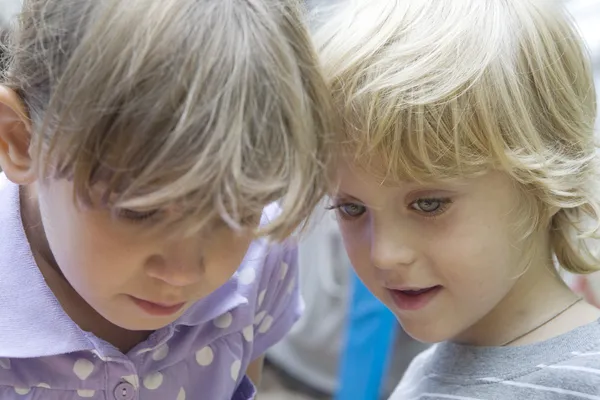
[217,107]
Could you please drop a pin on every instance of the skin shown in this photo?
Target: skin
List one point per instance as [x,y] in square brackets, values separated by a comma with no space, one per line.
[94,263]
[460,235]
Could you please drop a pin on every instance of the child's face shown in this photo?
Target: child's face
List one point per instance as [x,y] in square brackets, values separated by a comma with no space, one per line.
[110,262]
[457,238]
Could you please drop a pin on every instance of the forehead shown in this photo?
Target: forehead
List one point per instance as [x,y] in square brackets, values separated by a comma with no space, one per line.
[353,180]
[349,174]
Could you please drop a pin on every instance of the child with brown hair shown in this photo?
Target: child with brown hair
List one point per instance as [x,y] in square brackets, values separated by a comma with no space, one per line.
[156,154]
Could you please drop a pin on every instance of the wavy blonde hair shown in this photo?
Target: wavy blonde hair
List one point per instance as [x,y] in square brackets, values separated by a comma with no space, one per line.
[216,107]
[431,90]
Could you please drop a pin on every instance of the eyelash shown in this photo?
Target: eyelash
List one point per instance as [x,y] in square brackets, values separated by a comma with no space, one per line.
[137,216]
[443,206]
[339,208]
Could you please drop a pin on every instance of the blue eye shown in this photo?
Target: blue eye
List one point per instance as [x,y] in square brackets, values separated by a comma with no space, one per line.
[430,206]
[427,205]
[352,210]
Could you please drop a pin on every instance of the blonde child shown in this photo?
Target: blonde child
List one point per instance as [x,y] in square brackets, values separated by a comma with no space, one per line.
[155,156]
[468,170]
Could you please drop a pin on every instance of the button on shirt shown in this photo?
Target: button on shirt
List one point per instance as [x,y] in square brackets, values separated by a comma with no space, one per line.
[202,355]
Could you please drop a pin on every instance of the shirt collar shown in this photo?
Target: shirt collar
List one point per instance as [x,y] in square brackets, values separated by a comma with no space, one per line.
[33,321]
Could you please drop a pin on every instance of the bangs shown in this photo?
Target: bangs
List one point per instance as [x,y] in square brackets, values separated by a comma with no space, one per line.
[216,110]
[429,92]
[402,141]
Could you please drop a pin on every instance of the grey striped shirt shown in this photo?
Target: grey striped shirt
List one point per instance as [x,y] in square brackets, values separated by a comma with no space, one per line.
[566,367]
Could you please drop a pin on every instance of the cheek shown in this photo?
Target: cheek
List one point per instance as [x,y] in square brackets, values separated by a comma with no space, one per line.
[85,249]
[357,245]
[353,241]
[475,256]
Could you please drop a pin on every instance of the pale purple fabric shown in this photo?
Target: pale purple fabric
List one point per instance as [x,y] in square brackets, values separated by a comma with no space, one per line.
[45,355]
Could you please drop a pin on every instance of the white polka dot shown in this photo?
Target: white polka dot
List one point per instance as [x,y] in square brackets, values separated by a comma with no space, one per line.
[161,353]
[224,321]
[259,317]
[247,276]
[133,380]
[153,381]
[181,395]
[266,324]
[86,393]
[5,363]
[291,286]
[43,385]
[248,333]
[284,270]
[235,369]
[261,297]
[205,356]
[22,391]
[83,368]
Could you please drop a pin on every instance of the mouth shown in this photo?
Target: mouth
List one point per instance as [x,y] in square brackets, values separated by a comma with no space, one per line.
[157,309]
[412,299]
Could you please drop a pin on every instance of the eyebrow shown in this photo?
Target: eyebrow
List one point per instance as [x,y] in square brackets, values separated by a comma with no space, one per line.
[346,195]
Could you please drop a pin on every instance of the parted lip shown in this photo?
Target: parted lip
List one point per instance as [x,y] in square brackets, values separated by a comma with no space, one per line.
[405,288]
[161,304]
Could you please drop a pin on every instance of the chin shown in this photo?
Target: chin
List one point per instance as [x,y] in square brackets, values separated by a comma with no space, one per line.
[429,338]
[138,321]
[143,324]
[426,332]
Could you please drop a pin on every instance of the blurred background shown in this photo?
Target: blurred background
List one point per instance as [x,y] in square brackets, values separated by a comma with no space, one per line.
[348,346]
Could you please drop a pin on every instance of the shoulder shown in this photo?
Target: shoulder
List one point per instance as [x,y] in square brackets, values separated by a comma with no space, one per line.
[564,367]
[576,376]
[579,372]
[276,302]
[268,266]
[415,373]
[274,298]
[274,265]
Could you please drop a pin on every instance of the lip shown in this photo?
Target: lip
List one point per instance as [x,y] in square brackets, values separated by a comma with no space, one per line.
[157,309]
[413,302]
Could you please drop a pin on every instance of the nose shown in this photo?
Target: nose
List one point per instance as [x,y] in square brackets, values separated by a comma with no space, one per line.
[391,245]
[180,263]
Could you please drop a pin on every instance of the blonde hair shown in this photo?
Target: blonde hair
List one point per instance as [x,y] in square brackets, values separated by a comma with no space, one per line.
[216,107]
[438,89]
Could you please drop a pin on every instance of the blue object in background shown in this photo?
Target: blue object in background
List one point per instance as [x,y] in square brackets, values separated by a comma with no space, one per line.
[368,345]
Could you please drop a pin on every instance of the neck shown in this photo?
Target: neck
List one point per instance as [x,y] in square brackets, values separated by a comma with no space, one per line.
[538,307]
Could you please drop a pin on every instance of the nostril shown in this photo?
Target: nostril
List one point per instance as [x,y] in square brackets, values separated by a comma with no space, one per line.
[155,261]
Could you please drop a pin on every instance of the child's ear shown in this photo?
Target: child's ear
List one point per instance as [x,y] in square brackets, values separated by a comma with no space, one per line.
[15,138]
